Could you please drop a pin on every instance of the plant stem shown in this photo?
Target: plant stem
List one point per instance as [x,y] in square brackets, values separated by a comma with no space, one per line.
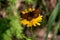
[32,33]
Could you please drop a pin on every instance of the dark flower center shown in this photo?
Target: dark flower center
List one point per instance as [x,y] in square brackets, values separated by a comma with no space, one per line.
[29,16]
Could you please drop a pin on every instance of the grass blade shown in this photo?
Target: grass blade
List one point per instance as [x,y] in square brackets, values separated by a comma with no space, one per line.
[51,20]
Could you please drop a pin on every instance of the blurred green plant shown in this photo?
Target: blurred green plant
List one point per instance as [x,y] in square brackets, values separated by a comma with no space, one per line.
[15,28]
[52,19]
[10,27]
[56,29]
[3,26]
[29,1]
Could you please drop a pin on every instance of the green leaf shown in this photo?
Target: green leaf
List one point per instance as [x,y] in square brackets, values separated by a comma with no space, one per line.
[15,27]
[51,20]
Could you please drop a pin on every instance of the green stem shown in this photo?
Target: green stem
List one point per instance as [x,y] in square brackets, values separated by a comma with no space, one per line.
[32,33]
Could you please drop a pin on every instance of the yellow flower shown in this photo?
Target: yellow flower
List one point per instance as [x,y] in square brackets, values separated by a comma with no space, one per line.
[33,21]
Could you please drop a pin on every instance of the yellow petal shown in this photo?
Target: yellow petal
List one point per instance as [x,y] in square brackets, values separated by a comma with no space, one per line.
[34,24]
[33,9]
[38,23]
[30,9]
[23,12]
[26,11]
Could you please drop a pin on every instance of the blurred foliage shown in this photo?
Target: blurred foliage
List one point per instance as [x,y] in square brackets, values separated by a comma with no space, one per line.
[15,28]
[10,27]
[4,25]
[52,19]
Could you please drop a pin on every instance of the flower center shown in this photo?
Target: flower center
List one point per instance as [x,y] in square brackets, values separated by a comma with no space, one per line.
[30,15]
